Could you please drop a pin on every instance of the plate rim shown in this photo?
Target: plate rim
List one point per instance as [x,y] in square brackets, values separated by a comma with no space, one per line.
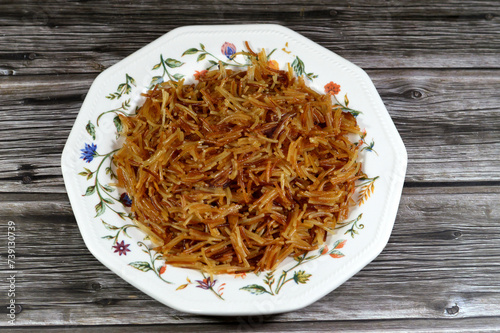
[377,243]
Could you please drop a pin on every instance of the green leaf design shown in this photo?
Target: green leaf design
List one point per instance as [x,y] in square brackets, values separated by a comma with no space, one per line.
[100,208]
[156,80]
[90,190]
[178,76]
[107,200]
[87,173]
[109,226]
[118,124]
[107,237]
[346,100]
[352,231]
[336,254]
[141,265]
[201,57]
[269,279]
[156,66]
[311,76]
[255,289]
[123,88]
[300,69]
[172,63]
[269,55]
[202,46]
[213,63]
[339,244]
[190,51]
[131,79]
[90,129]
[298,66]
[301,277]
[108,188]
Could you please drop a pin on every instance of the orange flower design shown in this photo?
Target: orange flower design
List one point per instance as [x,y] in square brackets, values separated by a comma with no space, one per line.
[362,138]
[273,64]
[332,88]
[200,74]
[240,275]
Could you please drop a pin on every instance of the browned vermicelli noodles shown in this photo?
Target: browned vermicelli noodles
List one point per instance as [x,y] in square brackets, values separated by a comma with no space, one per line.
[239,171]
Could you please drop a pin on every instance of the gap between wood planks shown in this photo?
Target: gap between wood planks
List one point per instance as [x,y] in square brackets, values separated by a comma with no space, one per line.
[259,324]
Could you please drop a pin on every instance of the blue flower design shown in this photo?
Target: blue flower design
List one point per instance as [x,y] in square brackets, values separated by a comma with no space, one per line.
[89,152]
[228,49]
[125,200]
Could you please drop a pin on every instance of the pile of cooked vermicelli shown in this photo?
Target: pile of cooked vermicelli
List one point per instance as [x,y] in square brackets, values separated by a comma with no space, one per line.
[239,171]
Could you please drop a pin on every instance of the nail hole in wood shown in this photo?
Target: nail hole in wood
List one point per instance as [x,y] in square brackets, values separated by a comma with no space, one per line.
[96,286]
[416,94]
[453,310]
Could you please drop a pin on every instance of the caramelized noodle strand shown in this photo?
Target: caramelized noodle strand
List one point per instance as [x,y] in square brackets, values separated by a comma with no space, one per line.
[239,171]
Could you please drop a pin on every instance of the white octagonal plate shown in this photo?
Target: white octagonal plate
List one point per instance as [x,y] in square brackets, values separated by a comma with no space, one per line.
[102,212]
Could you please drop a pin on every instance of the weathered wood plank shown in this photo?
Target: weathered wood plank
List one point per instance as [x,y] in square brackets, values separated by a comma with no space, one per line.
[436,65]
[448,119]
[437,264]
[80,37]
[256,324]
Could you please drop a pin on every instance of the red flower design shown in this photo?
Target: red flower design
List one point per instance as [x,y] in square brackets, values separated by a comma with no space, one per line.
[228,49]
[332,88]
[163,269]
[121,248]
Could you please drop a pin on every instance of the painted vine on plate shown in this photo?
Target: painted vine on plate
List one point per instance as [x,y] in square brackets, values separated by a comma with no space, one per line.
[299,276]
[109,200]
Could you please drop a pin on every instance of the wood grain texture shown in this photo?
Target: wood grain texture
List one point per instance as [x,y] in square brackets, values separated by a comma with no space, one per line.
[259,325]
[428,270]
[85,37]
[448,119]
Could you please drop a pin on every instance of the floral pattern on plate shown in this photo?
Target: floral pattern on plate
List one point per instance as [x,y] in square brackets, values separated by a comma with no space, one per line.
[103,213]
[106,200]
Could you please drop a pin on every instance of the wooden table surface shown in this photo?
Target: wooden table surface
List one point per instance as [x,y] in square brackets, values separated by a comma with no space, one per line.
[436,66]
